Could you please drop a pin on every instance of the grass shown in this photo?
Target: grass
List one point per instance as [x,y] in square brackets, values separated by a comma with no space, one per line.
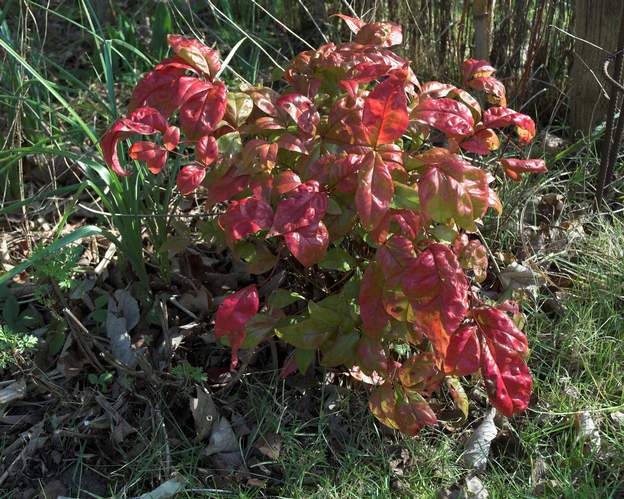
[331,447]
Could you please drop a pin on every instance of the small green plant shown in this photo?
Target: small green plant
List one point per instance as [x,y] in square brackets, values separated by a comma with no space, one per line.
[102,381]
[59,268]
[14,346]
[188,373]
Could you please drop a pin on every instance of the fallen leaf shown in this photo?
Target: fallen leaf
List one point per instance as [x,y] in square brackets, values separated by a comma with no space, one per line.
[128,308]
[517,276]
[471,488]
[477,448]
[204,412]
[270,445]
[15,391]
[222,439]
[198,302]
[165,490]
[123,315]
[618,418]
[474,488]
[587,431]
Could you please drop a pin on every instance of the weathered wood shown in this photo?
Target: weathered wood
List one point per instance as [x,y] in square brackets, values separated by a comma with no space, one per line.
[596,21]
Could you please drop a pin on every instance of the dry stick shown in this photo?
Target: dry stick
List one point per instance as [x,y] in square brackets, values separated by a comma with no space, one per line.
[605,160]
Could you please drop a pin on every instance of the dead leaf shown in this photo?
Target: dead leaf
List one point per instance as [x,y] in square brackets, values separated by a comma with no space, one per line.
[222,439]
[471,488]
[128,308]
[587,431]
[15,391]
[618,418]
[517,276]
[123,315]
[120,427]
[198,302]
[477,448]
[474,489]
[204,412]
[166,490]
[269,445]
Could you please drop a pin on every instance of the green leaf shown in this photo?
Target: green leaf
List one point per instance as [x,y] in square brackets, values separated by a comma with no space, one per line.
[325,314]
[281,298]
[342,350]
[10,312]
[337,259]
[305,334]
[303,359]
[333,208]
[258,329]
[229,144]
[405,197]
[444,233]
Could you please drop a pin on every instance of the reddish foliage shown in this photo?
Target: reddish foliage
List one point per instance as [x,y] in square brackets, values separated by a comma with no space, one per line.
[345,156]
[232,316]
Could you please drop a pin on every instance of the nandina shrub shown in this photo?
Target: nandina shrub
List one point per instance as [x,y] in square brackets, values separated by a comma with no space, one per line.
[365,183]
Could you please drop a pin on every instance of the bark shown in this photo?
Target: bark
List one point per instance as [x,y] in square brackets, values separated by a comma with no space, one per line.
[596,21]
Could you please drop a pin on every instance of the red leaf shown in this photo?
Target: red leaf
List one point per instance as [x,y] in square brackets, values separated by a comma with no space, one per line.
[395,258]
[144,121]
[286,181]
[420,372]
[406,411]
[503,348]
[163,87]
[189,178]
[447,115]
[463,352]
[308,244]
[171,138]
[206,150]
[195,53]
[385,115]
[301,110]
[501,117]
[491,86]
[408,223]
[201,113]
[507,381]
[483,142]
[375,190]
[337,171]
[372,309]
[514,168]
[436,90]
[265,99]
[363,72]
[290,142]
[258,156]
[155,156]
[232,316]
[435,283]
[501,332]
[244,217]
[472,255]
[371,357]
[451,188]
[380,34]
[353,23]
[305,206]
[226,187]
[474,68]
